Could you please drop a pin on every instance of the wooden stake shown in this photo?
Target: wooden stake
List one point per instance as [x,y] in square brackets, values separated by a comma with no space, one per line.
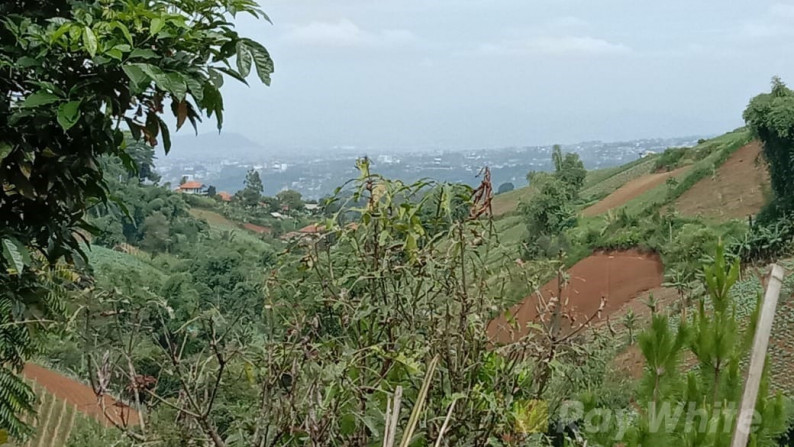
[744,418]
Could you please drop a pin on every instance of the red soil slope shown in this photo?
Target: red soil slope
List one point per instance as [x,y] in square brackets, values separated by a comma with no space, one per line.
[618,276]
[81,397]
[629,191]
[736,191]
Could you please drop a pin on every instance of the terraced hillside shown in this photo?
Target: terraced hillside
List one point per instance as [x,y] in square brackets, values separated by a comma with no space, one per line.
[616,277]
[735,190]
[54,422]
[63,404]
[631,190]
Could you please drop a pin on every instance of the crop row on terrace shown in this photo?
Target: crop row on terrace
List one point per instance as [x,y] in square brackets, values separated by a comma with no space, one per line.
[609,184]
[53,422]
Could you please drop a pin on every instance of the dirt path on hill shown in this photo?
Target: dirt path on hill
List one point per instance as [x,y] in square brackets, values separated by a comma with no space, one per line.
[735,191]
[80,396]
[631,190]
[618,276]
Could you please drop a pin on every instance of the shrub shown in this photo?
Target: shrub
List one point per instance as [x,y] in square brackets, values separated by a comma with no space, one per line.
[506,187]
[764,242]
[690,244]
[669,159]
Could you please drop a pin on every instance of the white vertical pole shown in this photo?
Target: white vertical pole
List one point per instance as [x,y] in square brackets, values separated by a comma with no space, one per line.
[757,358]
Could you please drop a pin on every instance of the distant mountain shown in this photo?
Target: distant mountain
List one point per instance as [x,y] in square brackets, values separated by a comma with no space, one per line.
[215,145]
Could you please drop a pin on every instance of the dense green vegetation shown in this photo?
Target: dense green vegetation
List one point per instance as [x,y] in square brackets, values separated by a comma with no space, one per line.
[771,118]
[371,325]
[552,208]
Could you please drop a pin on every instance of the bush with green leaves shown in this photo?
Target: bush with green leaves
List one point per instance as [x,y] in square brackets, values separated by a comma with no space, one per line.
[505,187]
[343,323]
[670,158]
[771,118]
[768,242]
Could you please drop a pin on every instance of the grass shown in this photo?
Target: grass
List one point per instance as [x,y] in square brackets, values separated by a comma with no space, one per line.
[598,176]
[720,149]
[100,256]
[597,184]
[610,184]
[508,202]
[213,218]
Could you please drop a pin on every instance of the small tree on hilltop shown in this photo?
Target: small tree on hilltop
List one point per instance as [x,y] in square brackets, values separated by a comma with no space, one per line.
[505,187]
[251,195]
[569,169]
[291,199]
[547,215]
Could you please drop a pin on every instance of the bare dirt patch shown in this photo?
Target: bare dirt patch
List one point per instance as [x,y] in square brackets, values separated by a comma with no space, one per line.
[736,189]
[81,396]
[617,276]
[630,190]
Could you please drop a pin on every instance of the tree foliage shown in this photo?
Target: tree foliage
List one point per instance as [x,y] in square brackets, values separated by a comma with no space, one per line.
[569,169]
[290,199]
[505,187]
[771,118]
[71,75]
[251,194]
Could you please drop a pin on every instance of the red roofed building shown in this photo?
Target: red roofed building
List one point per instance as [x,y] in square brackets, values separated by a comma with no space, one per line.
[192,187]
[225,196]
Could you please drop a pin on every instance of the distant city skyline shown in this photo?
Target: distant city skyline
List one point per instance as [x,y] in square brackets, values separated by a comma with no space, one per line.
[470,73]
[317,174]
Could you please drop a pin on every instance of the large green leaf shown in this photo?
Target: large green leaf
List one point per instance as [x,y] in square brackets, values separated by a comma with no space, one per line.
[156,26]
[244,59]
[262,60]
[60,32]
[195,87]
[16,255]
[124,30]
[89,41]
[175,84]
[140,80]
[5,149]
[68,114]
[40,98]
[166,135]
[143,53]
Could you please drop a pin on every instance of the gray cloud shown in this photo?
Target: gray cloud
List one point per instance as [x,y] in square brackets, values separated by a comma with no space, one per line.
[344,33]
[554,45]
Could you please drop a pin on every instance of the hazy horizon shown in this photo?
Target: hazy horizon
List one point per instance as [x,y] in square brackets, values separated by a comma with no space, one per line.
[474,74]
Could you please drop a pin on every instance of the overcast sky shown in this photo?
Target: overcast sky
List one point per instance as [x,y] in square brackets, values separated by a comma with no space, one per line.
[473,73]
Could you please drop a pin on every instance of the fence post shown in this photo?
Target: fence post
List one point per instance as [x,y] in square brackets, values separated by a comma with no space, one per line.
[744,418]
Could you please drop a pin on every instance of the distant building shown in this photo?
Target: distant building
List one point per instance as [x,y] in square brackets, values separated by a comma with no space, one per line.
[312,207]
[647,154]
[192,187]
[225,196]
